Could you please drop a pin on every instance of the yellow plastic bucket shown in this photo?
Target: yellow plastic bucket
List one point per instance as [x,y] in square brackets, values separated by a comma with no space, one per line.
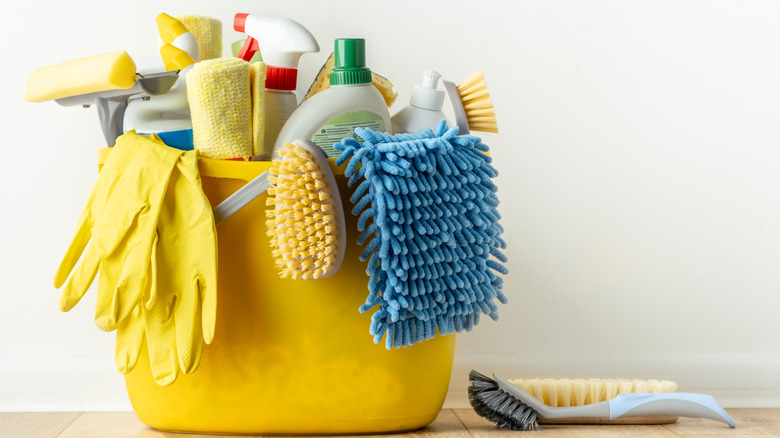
[291,356]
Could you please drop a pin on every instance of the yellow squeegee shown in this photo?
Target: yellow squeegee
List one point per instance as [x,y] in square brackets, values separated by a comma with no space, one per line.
[106,81]
[109,71]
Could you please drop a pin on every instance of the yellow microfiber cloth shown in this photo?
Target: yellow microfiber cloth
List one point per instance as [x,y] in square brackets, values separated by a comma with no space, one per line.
[219,95]
[208,33]
[108,71]
[257,81]
[322,82]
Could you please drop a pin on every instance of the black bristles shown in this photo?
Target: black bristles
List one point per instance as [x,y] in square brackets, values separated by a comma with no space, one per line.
[490,402]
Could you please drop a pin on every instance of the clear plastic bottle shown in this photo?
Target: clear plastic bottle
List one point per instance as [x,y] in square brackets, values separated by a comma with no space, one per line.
[351,101]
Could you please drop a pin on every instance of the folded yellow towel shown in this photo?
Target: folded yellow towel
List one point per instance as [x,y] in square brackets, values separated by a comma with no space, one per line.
[219,95]
[208,33]
[257,80]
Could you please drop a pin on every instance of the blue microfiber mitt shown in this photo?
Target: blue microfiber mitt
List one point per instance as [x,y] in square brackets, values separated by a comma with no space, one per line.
[427,208]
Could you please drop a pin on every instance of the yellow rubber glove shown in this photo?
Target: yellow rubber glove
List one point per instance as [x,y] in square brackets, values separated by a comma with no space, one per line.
[180,312]
[120,223]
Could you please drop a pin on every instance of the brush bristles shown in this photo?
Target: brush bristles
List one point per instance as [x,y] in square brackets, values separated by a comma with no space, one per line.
[302,225]
[578,392]
[492,403]
[477,104]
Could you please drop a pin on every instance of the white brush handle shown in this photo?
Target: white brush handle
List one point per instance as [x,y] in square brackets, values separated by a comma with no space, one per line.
[241,197]
[457,107]
[670,403]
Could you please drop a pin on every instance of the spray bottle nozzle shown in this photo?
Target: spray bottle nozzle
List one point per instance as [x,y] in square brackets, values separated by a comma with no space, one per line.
[282,41]
[239,22]
[250,48]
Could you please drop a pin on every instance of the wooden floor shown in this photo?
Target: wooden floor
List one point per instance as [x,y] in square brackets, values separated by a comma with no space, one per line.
[457,423]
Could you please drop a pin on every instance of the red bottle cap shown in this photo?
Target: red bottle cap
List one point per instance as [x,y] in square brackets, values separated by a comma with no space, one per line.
[280,78]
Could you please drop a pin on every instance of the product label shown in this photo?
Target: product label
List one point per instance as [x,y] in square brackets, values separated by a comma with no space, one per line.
[343,126]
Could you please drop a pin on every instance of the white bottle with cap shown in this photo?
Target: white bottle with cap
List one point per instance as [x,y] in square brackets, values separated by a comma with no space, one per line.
[333,114]
[281,42]
[425,106]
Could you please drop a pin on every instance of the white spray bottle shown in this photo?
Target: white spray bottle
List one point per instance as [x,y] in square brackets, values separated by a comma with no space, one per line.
[425,106]
[281,42]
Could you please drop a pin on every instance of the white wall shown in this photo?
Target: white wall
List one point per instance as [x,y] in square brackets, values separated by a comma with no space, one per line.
[640,182]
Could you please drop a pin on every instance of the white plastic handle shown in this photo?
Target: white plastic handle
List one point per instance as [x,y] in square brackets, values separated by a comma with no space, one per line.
[241,197]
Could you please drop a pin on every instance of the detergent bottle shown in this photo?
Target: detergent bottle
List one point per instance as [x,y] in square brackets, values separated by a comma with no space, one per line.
[281,42]
[425,106]
[351,101]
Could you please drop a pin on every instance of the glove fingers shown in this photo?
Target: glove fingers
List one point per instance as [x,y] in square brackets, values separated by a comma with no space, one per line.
[73,253]
[79,282]
[208,295]
[203,234]
[129,340]
[107,179]
[151,295]
[161,343]
[189,338]
[134,279]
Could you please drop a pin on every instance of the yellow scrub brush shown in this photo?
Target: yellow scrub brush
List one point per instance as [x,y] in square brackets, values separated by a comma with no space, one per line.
[306,224]
[472,105]
[306,228]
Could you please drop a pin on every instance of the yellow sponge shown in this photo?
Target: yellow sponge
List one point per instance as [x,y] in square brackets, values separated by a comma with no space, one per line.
[306,225]
[322,82]
[109,71]
[208,33]
[257,82]
[220,105]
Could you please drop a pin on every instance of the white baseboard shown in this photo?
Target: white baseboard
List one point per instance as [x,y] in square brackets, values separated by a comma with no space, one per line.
[734,380]
[66,384]
[71,384]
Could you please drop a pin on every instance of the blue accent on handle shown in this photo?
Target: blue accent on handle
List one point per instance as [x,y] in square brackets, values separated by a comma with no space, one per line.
[181,139]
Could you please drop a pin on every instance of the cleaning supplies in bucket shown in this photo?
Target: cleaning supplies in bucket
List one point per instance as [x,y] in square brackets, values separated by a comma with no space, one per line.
[147,228]
[427,212]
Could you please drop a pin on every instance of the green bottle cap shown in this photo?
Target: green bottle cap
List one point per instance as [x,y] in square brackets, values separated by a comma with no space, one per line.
[349,63]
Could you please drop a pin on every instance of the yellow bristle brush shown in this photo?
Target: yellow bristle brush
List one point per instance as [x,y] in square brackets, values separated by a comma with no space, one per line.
[472,105]
[306,226]
[578,392]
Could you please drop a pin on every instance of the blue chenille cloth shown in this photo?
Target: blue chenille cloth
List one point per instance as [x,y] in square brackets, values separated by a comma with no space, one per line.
[428,218]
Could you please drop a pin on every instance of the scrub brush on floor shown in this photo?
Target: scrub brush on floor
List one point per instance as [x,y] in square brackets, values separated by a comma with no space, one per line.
[646,402]
[428,215]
